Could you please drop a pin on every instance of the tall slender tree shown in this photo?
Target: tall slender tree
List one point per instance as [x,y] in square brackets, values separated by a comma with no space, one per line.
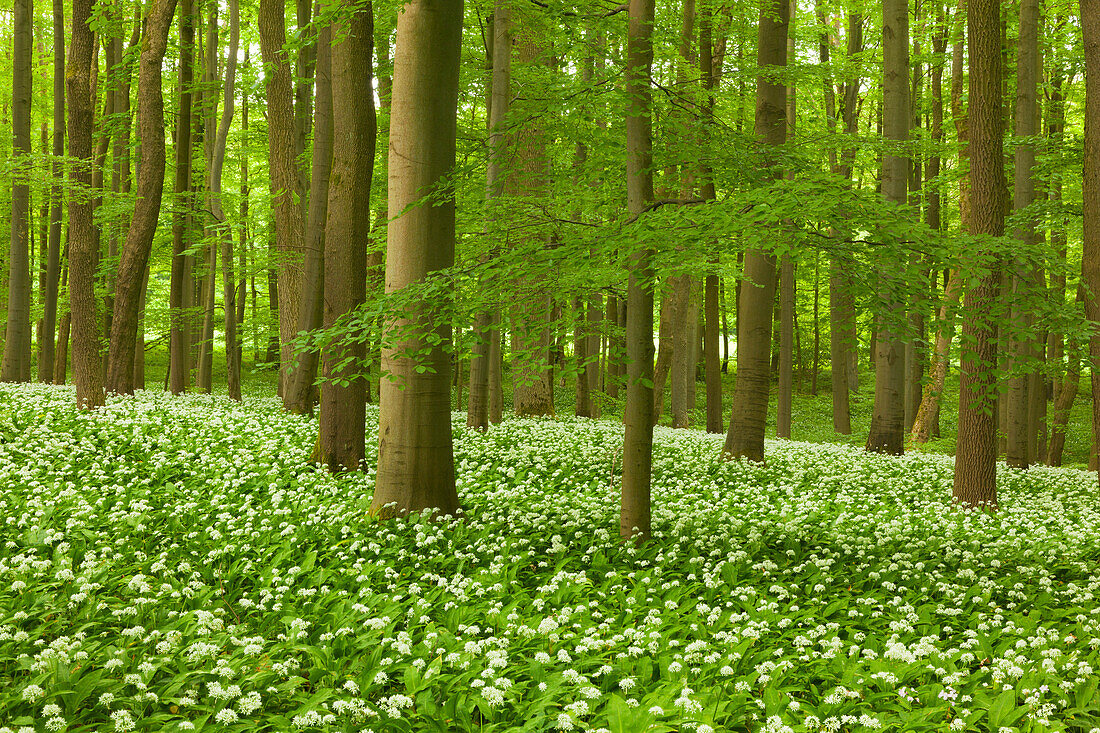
[709,74]
[1022,278]
[975,481]
[285,181]
[299,393]
[887,433]
[415,453]
[634,511]
[231,317]
[487,323]
[745,437]
[130,279]
[16,365]
[343,395]
[1090,268]
[179,347]
[46,352]
[87,365]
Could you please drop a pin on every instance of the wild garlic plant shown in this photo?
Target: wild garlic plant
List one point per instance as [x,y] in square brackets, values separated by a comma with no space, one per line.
[176,564]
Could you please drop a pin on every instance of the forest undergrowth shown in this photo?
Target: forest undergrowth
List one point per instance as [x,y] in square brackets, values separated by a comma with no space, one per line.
[175,564]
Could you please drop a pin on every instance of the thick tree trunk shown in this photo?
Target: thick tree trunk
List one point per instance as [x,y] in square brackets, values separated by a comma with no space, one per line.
[87,363]
[1090,267]
[887,433]
[134,260]
[180,334]
[285,180]
[298,396]
[634,510]
[343,394]
[16,365]
[532,393]
[745,438]
[975,481]
[415,456]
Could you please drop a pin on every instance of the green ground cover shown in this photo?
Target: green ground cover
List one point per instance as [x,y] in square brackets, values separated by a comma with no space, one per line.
[174,564]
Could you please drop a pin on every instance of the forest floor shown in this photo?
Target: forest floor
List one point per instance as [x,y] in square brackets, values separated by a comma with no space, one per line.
[175,564]
[811,415]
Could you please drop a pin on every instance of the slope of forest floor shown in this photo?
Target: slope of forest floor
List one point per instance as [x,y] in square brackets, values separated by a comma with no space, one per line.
[175,564]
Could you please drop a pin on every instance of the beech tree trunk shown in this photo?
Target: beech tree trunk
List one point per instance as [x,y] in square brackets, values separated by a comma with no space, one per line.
[745,438]
[46,352]
[298,396]
[711,316]
[1090,267]
[487,324]
[1022,344]
[887,433]
[83,254]
[682,367]
[415,455]
[634,510]
[16,366]
[130,279]
[180,334]
[975,481]
[285,181]
[354,125]
[532,393]
[230,316]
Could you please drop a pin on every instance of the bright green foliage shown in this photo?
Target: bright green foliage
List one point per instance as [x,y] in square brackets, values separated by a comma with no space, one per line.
[176,561]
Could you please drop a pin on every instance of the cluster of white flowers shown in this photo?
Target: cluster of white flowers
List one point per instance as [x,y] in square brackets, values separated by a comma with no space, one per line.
[195,527]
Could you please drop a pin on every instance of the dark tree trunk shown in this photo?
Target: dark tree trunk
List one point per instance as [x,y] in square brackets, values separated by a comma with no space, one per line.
[180,334]
[343,395]
[1090,268]
[16,365]
[634,510]
[87,363]
[976,453]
